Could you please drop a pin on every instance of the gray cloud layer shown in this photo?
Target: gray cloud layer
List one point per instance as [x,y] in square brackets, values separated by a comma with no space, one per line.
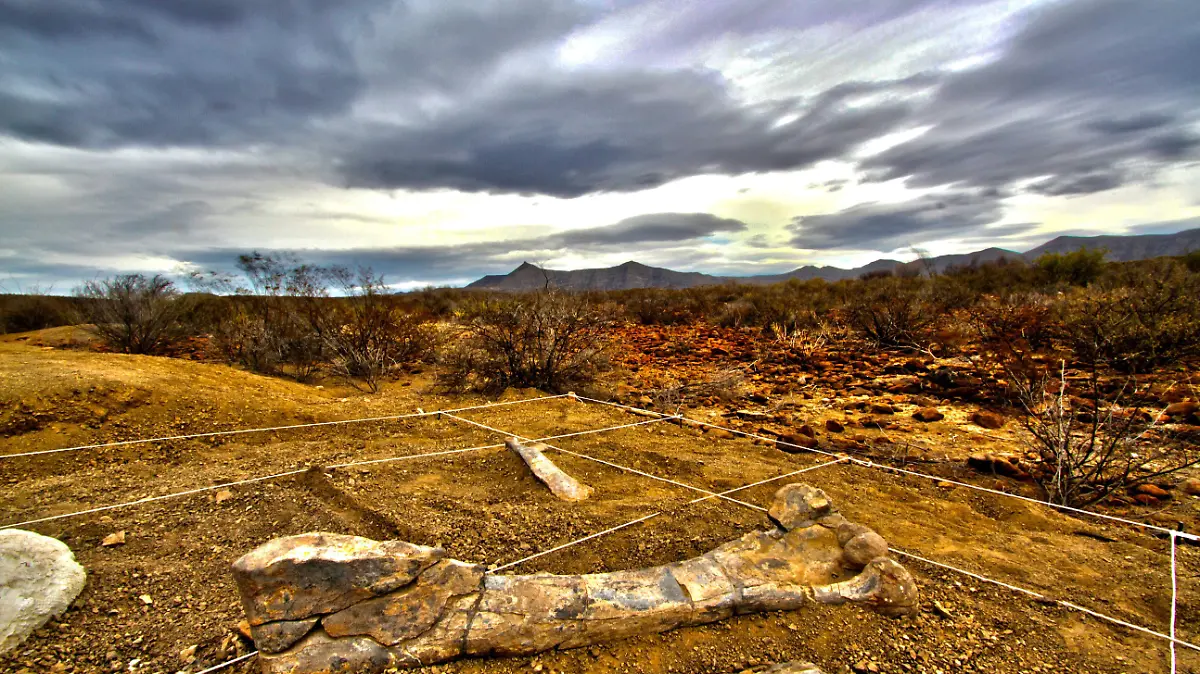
[464,261]
[1084,96]
[1087,96]
[886,227]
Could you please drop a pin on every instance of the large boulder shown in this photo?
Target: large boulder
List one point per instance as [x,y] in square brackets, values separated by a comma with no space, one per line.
[39,578]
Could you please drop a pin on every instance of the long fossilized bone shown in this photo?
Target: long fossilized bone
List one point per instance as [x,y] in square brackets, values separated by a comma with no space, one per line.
[321,603]
[562,485]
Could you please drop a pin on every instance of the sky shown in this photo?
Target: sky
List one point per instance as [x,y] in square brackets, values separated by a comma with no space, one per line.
[440,140]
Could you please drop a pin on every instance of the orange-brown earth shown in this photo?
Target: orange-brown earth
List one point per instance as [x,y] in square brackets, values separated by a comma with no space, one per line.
[484,506]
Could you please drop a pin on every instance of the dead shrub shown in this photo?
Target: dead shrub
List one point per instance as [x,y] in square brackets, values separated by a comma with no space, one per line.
[549,340]
[134,313]
[1091,446]
[890,311]
[372,334]
[1141,317]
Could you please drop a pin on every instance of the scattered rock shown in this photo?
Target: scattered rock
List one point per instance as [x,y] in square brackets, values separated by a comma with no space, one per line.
[1182,409]
[928,415]
[793,668]
[989,420]
[1191,486]
[39,578]
[720,433]
[797,505]
[794,443]
[114,539]
[882,408]
[997,464]
[224,495]
[188,654]
[1152,490]
[833,426]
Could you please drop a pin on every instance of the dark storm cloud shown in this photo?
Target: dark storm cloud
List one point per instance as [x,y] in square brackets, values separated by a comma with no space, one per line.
[649,228]
[1086,90]
[198,73]
[621,131]
[887,227]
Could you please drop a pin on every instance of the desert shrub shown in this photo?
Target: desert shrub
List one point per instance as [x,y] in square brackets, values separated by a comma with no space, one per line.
[1077,268]
[892,311]
[1013,330]
[550,340]
[33,311]
[1192,261]
[650,306]
[373,335]
[991,278]
[1093,446]
[725,384]
[281,316]
[134,313]
[1140,317]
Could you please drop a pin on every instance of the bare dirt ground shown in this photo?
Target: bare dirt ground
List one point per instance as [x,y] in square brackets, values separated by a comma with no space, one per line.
[167,589]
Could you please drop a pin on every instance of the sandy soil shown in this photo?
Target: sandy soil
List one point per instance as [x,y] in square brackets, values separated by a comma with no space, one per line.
[484,506]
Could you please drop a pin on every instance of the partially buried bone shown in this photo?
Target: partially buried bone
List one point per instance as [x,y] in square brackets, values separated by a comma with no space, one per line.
[562,485]
[331,603]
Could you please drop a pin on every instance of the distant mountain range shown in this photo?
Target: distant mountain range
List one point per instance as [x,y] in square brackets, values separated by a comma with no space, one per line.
[637,275]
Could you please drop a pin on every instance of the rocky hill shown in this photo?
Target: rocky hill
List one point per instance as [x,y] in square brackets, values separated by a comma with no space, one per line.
[636,275]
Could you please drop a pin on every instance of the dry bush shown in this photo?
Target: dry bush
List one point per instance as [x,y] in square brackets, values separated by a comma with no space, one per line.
[281,319]
[134,313]
[34,310]
[1016,332]
[725,385]
[1140,317]
[1077,268]
[550,340]
[372,334]
[1091,447]
[890,311]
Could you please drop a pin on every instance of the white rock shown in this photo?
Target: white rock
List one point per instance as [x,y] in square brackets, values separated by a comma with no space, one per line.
[39,578]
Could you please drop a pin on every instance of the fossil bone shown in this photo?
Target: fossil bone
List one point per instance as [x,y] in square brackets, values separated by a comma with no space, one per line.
[322,603]
[562,485]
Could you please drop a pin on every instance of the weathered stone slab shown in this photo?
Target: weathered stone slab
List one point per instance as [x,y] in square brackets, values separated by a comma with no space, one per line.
[318,653]
[275,637]
[711,592]
[409,611]
[419,609]
[301,576]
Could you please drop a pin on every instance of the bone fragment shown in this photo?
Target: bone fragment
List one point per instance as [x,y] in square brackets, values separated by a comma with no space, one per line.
[562,485]
[322,603]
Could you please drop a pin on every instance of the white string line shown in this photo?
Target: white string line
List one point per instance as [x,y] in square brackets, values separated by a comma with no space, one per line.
[1174,601]
[297,472]
[610,463]
[150,499]
[869,464]
[495,446]
[223,665]
[656,514]
[1037,595]
[1170,532]
[193,436]
[705,423]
